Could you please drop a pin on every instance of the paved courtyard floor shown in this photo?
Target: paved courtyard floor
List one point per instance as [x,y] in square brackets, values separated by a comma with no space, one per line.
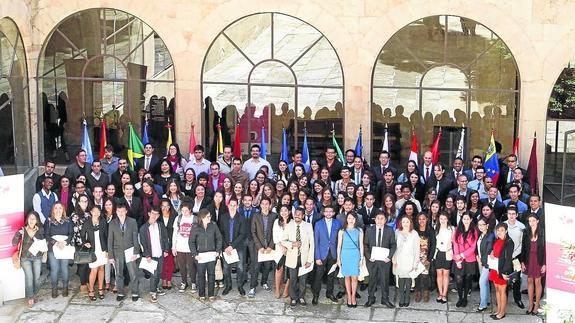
[185,307]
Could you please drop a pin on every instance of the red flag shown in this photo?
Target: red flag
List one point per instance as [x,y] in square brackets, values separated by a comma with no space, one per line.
[103,141]
[435,148]
[516,149]
[237,143]
[192,141]
[413,153]
[532,168]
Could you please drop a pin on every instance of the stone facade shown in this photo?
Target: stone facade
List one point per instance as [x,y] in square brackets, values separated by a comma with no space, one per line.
[539,33]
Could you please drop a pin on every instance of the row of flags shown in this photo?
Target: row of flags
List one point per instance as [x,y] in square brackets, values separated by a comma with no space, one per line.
[136,148]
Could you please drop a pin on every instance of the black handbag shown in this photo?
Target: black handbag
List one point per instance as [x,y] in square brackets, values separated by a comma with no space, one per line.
[84,256]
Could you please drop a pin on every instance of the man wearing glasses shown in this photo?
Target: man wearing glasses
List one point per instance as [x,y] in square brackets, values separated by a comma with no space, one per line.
[78,167]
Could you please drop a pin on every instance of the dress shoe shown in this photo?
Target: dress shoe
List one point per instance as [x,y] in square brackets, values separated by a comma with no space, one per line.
[339,295]
[242,291]
[520,304]
[459,303]
[464,303]
[362,286]
[54,292]
[357,295]
[65,292]
[332,298]
[370,301]
[401,305]
[226,291]
[387,303]
[480,309]
[496,318]
[302,302]
[314,300]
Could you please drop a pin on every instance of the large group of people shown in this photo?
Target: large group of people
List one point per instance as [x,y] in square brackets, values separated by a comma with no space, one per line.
[347,225]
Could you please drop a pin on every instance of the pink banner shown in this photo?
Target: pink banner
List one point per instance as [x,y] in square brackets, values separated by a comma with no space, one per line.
[561,266]
[11,212]
[9,224]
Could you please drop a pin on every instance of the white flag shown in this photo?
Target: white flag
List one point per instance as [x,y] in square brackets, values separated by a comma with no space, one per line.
[385,142]
[460,147]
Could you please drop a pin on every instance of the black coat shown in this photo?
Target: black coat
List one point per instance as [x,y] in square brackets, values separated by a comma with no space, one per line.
[368,218]
[205,239]
[145,239]
[526,246]
[240,231]
[486,247]
[169,226]
[135,209]
[370,240]
[54,176]
[445,185]
[506,258]
[88,230]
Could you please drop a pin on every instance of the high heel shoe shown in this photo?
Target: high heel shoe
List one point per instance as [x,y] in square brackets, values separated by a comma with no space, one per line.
[100,293]
[91,295]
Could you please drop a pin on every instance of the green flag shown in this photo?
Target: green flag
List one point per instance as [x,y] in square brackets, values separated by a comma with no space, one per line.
[135,147]
[336,146]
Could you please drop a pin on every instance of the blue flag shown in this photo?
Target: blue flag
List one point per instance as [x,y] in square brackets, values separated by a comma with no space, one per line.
[305,150]
[358,145]
[263,143]
[285,151]
[491,164]
[86,145]
[145,139]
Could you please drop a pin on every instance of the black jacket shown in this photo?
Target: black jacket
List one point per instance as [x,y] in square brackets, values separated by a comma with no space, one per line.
[486,247]
[205,239]
[88,230]
[240,230]
[368,219]
[54,176]
[135,209]
[445,185]
[370,240]
[169,227]
[506,258]
[526,247]
[222,210]
[429,233]
[145,239]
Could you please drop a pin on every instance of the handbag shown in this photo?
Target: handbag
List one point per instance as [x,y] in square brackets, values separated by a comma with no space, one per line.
[363,272]
[83,256]
[219,273]
[18,253]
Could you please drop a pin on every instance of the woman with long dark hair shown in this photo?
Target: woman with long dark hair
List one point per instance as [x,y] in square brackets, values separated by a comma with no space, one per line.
[165,173]
[168,216]
[189,183]
[426,251]
[55,227]
[484,247]
[95,233]
[411,167]
[503,252]
[282,175]
[533,261]
[350,256]
[80,215]
[174,194]
[406,257]
[280,224]
[177,161]
[473,205]
[388,207]
[150,198]
[464,256]
[443,255]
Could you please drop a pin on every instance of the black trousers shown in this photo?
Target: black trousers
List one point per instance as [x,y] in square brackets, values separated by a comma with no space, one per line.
[379,276]
[239,270]
[250,254]
[404,290]
[296,284]
[266,267]
[83,273]
[210,268]
[327,263]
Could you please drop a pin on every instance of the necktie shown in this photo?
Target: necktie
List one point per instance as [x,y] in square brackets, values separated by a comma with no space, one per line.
[147,163]
[379,238]
[307,218]
[478,185]
[382,170]
[248,213]
[510,176]
[357,177]
[426,173]
[298,238]
[129,203]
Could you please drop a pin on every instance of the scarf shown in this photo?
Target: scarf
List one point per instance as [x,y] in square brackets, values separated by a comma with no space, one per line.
[173,161]
[149,201]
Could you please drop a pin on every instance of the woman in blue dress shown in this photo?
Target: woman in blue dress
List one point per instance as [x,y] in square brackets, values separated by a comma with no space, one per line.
[350,255]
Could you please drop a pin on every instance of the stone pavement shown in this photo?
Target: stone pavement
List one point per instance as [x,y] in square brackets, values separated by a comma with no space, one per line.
[185,307]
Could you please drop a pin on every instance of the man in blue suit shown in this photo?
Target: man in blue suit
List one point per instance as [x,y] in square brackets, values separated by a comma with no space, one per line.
[325,236]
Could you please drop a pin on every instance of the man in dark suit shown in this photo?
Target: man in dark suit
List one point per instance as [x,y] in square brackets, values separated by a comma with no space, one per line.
[332,164]
[457,169]
[461,188]
[123,235]
[262,233]
[248,248]
[380,236]
[78,167]
[357,170]
[117,175]
[133,204]
[387,185]
[506,175]
[534,207]
[49,167]
[325,253]
[426,168]
[498,206]
[311,215]
[368,211]
[149,161]
[155,246]
[233,237]
[383,165]
[97,177]
[441,183]
[476,161]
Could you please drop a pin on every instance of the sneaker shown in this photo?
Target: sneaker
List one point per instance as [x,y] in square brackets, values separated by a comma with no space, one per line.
[183,287]
[266,287]
[454,290]
[212,298]
[252,293]
[194,288]
[161,292]
[135,298]
[202,298]
[120,297]
[65,292]
[153,297]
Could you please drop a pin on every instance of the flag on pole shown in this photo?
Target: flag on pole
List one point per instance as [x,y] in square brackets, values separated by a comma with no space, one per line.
[413,153]
[516,149]
[86,145]
[169,142]
[263,150]
[145,138]
[460,152]
[135,146]
[359,144]
[285,151]
[237,143]
[305,150]
[192,142]
[385,141]
[492,161]
[532,167]
[435,148]
[103,139]
[220,145]
[336,146]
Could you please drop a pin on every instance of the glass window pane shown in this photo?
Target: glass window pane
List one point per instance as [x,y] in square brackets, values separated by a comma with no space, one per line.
[224,63]
[494,69]
[292,37]
[562,100]
[319,103]
[272,72]
[424,39]
[319,66]
[445,77]
[466,40]
[6,52]
[252,35]
[396,67]
[223,95]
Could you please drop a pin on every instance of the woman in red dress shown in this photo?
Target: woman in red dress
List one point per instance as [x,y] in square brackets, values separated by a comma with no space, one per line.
[502,251]
[533,261]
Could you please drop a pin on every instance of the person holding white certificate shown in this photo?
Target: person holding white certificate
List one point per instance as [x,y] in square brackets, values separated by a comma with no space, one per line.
[406,258]
[298,239]
[262,234]
[233,238]
[281,275]
[205,240]
[95,239]
[155,246]
[379,247]
[325,253]
[59,232]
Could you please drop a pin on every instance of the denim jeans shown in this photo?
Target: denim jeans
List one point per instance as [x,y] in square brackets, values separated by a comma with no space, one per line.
[484,287]
[32,267]
[239,270]
[58,266]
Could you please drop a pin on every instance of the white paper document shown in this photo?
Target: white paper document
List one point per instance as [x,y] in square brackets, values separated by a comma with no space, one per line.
[278,255]
[149,266]
[65,253]
[414,273]
[332,269]
[39,245]
[60,237]
[379,253]
[493,263]
[204,257]
[232,258]
[302,270]
[128,253]
[262,256]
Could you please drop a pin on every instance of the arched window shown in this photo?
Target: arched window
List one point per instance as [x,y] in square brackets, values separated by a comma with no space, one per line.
[449,72]
[285,71]
[15,155]
[104,64]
